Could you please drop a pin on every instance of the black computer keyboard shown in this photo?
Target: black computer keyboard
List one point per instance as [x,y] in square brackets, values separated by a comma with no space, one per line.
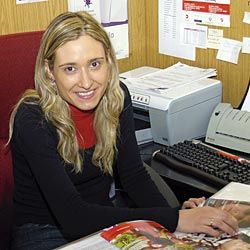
[205,163]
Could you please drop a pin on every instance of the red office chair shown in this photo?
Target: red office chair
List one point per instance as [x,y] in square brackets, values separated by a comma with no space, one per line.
[17,60]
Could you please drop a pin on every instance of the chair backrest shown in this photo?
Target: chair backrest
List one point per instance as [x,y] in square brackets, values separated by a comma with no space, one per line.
[17,61]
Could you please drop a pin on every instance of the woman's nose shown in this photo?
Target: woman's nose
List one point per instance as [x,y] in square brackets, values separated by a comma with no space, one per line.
[85,80]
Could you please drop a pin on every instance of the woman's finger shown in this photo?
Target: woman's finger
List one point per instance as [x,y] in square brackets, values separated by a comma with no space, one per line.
[193,202]
[218,226]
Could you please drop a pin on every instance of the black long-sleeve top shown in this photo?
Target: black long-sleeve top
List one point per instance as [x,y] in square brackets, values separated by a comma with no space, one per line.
[47,191]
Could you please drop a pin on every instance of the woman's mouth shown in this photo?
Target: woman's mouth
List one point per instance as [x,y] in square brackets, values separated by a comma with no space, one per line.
[85,94]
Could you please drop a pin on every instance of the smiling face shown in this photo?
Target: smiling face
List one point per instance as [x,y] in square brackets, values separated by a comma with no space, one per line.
[81,72]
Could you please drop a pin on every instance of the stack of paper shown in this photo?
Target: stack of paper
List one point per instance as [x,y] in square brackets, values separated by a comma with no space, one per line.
[191,73]
[165,79]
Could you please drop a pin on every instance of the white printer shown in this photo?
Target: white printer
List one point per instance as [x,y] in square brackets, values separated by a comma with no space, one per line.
[168,115]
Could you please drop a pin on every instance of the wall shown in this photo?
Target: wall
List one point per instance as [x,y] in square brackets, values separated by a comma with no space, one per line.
[36,16]
[234,77]
[143,40]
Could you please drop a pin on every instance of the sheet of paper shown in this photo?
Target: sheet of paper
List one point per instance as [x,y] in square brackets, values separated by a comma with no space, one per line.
[29,1]
[118,35]
[229,50]
[234,191]
[246,45]
[246,18]
[92,7]
[114,18]
[113,11]
[246,103]
[113,14]
[214,38]
[138,72]
[195,35]
[211,12]
[169,30]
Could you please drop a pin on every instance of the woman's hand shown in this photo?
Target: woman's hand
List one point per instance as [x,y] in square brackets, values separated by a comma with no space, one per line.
[235,245]
[193,202]
[209,220]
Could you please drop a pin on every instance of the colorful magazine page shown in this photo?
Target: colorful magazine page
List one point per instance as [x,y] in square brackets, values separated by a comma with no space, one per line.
[241,241]
[136,235]
[140,235]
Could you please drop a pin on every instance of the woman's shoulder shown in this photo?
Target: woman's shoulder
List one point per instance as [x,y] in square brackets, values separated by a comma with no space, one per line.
[127,97]
[30,117]
[29,110]
[127,107]
[124,88]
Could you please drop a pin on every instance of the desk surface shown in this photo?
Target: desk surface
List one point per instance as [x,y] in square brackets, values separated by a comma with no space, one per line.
[94,241]
[184,186]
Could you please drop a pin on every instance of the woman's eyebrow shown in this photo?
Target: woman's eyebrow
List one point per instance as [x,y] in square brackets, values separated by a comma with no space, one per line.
[73,63]
[67,64]
[97,58]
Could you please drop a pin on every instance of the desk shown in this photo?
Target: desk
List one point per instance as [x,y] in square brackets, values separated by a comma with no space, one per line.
[94,241]
[182,185]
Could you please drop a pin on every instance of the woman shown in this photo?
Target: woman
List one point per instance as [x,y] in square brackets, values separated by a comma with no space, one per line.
[72,134]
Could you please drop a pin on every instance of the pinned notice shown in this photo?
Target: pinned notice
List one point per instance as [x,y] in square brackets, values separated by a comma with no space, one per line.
[229,50]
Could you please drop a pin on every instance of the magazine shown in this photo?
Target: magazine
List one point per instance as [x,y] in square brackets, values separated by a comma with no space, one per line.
[146,235]
[234,198]
[135,235]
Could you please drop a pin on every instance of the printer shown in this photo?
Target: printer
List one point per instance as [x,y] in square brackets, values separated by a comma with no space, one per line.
[229,127]
[175,114]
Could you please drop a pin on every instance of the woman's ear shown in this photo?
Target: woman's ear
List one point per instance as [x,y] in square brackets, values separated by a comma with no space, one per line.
[48,71]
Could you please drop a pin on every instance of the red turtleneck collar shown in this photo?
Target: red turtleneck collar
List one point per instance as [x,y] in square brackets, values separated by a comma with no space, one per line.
[84,126]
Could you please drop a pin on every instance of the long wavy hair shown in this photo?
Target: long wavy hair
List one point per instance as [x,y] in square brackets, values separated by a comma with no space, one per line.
[64,28]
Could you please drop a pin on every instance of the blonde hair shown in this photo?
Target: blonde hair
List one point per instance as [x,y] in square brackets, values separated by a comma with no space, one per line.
[67,27]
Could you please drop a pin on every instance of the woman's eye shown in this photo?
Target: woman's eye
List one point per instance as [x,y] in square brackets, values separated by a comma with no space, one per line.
[70,69]
[95,64]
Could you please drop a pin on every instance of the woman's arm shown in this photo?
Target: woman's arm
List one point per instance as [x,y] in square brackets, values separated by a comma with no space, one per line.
[37,141]
[133,176]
